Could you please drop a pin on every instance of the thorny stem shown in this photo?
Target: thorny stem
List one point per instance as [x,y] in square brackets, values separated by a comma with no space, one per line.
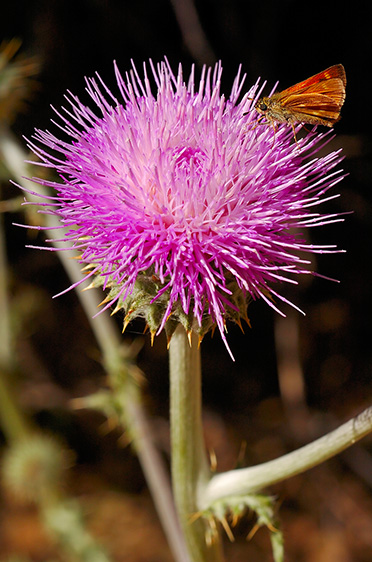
[56,511]
[12,421]
[110,344]
[255,478]
[190,470]
[133,418]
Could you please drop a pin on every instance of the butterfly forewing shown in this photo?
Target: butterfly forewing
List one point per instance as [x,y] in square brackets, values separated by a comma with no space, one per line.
[336,71]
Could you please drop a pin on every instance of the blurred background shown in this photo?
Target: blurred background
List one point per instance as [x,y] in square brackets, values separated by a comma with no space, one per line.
[293,379]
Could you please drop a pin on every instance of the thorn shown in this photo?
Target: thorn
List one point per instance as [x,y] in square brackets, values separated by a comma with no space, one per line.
[124,440]
[239,323]
[253,531]
[200,340]
[78,403]
[241,454]
[213,460]
[145,329]
[235,519]
[116,309]
[90,286]
[246,319]
[194,517]
[105,300]
[87,267]
[125,323]
[153,334]
[271,527]
[210,537]
[227,529]
[107,426]
[189,337]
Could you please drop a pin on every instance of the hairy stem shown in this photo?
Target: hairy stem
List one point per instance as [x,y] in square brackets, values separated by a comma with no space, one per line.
[190,470]
[253,479]
[112,348]
[12,421]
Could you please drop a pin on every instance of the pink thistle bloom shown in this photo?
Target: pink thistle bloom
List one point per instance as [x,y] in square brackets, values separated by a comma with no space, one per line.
[184,206]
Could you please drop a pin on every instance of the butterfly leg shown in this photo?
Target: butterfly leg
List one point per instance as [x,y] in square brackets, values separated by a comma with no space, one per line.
[258,122]
[274,129]
[294,133]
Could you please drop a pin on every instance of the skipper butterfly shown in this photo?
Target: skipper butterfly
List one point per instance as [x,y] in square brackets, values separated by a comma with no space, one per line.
[316,101]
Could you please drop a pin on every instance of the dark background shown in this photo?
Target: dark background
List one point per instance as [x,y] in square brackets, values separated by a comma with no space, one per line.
[327,513]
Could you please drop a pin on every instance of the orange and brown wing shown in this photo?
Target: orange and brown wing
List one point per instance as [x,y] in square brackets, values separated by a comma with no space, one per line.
[317,100]
[312,105]
[319,97]
[336,72]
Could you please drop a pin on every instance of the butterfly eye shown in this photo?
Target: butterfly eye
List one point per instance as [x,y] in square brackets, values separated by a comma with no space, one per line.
[262,106]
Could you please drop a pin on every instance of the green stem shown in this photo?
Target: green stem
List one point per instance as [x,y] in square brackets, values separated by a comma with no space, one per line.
[190,470]
[112,348]
[127,394]
[12,421]
[253,479]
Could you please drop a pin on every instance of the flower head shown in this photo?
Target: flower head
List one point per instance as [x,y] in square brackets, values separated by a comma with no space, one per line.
[180,202]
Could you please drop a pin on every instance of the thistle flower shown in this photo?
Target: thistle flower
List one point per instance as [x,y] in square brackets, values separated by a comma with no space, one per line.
[180,203]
